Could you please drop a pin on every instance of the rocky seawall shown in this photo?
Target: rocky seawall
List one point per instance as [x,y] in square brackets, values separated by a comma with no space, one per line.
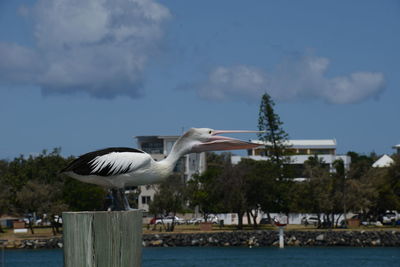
[270,238]
[243,238]
[55,242]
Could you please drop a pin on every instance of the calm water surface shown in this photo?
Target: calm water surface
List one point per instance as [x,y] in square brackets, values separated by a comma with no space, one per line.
[196,256]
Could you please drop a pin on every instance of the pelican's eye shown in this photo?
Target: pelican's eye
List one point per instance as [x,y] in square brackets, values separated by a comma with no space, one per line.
[210,132]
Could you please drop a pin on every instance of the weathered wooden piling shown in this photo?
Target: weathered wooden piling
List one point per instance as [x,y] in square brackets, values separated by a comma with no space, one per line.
[102,238]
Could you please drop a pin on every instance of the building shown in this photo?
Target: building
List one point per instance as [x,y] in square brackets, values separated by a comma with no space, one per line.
[300,151]
[397,147]
[159,147]
[382,162]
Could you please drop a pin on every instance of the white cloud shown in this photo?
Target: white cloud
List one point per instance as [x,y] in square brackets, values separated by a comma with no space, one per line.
[294,78]
[97,46]
[235,82]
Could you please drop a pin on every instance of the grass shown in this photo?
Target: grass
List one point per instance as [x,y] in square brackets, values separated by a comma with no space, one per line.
[39,233]
[229,228]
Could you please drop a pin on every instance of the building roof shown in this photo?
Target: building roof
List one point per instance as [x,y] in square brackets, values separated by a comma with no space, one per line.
[157,137]
[396,146]
[306,143]
[384,161]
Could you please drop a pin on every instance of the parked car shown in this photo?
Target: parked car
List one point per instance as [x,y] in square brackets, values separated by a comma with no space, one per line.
[58,219]
[390,217]
[265,221]
[34,222]
[210,218]
[306,220]
[166,220]
[153,220]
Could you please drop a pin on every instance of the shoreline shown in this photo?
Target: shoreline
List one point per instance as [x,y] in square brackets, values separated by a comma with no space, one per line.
[256,238]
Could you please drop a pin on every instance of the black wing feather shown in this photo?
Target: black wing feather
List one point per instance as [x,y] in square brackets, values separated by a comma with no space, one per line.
[82,165]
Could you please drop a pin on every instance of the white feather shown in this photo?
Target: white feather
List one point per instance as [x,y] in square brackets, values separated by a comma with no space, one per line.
[118,161]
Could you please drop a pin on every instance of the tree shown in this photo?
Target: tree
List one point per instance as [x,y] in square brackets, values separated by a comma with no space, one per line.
[274,135]
[386,185]
[360,165]
[36,197]
[318,190]
[81,196]
[5,203]
[232,188]
[262,188]
[201,192]
[169,198]
[275,139]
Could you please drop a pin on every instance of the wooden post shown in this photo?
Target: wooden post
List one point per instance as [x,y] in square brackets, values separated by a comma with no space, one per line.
[281,236]
[102,238]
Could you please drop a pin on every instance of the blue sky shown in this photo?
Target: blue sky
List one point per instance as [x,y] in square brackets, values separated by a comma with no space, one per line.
[89,74]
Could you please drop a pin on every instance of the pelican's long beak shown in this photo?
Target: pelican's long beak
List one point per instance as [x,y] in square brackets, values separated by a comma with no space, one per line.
[219,143]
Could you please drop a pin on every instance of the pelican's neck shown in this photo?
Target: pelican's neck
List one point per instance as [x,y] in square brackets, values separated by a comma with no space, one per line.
[179,149]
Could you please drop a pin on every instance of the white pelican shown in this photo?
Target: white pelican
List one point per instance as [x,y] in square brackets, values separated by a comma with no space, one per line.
[118,167]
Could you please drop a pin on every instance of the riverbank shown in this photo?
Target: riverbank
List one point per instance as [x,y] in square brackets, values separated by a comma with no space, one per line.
[260,238]
[270,238]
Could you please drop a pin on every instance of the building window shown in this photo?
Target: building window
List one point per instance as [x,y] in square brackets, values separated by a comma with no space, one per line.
[155,147]
[322,151]
[303,151]
[180,165]
[169,145]
[146,200]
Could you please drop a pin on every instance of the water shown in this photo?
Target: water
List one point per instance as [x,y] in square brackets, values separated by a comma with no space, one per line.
[231,256]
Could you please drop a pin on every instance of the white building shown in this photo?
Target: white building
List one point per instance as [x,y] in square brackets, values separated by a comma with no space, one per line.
[159,147]
[382,162]
[300,151]
[397,147]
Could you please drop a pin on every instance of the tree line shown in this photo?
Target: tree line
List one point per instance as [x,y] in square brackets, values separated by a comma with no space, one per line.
[33,184]
[252,186]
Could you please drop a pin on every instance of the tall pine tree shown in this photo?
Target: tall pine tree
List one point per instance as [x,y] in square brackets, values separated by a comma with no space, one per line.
[274,135]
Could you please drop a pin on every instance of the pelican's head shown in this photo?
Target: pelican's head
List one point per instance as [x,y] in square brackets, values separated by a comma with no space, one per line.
[206,139]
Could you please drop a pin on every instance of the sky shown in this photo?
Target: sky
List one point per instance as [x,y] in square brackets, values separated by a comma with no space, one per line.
[89,74]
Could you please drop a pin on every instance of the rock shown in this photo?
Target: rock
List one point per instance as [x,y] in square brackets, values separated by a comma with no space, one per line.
[376,242]
[320,237]
[60,245]
[9,244]
[156,243]
[17,243]
[310,242]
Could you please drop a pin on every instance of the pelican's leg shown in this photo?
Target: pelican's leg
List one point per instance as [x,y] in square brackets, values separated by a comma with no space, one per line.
[124,199]
[118,199]
[126,202]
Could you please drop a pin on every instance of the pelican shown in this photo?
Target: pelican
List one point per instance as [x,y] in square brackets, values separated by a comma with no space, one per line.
[118,167]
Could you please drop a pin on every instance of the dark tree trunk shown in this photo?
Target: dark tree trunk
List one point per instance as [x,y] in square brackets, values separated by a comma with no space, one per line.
[30,225]
[269,217]
[248,217]
[240,220]
[254,217]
